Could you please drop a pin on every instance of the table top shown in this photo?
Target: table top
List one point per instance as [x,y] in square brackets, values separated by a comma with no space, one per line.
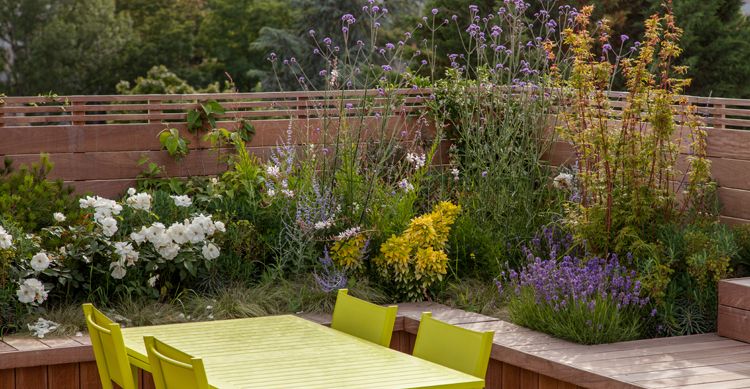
[290,352]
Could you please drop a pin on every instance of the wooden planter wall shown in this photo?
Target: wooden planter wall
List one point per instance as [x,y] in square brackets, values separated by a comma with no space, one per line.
[96,141]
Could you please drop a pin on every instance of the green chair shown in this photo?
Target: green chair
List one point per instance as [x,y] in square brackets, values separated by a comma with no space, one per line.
[454,347]
[363,319]
[172,368]
[109,350]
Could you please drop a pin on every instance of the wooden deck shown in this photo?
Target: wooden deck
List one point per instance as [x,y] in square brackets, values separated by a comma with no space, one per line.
[521,358]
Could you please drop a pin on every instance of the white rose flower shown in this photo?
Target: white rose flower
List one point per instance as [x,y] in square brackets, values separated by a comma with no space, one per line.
[210,251]
[59,217]
[205,223]
[169,251]
[6,240]
[31,291]
[152,280]
[40,262]
[178,233]
[109,226]
[182,201]
[118,270]
[131,191]
[140,236]
[126,252]
[220,226]
[154,233]
[195,233]
[140,201]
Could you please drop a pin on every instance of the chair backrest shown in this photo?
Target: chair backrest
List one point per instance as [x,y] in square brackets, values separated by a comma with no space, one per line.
[454,347]
[172,368]
[363,319]
[109,350]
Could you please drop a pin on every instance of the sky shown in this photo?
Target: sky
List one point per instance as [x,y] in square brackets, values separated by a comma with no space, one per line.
[746,7]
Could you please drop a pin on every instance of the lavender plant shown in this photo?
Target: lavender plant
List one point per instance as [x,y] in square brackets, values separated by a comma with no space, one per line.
[588,300]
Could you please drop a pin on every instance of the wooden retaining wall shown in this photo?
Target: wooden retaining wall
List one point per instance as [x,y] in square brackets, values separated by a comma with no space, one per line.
[96,141]
[520,358]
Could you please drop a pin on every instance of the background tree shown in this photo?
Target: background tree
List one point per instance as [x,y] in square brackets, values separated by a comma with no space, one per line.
[79,48]
[165,34]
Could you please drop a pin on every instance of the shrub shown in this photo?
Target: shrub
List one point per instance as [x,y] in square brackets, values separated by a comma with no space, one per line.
[623,187]
[589,301]
[416,258]
[29,198]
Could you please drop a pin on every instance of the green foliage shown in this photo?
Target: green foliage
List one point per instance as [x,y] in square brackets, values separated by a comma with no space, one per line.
[204,117]
[501,176]
[416,258]
[682,276]
[66,46]
[159,80]
[606,323]
[622,190]
[29,198]
[176,146]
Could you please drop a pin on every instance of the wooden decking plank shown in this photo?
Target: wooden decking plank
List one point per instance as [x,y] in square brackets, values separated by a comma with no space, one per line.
[715,380]
[644,343]
[58,342]
[25,343]
[579,355]
[657,361]
[442,312]
[6,348]
[741,366]
[84,340]
[735,384]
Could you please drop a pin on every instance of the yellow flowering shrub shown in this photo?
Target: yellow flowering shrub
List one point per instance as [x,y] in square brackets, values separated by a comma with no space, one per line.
[417,258]
[347,253]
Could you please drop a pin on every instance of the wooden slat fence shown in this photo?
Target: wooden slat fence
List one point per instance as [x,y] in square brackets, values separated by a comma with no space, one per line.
[96,141]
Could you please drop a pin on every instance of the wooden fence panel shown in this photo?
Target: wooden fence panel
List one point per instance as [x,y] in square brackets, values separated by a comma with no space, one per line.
[95,141]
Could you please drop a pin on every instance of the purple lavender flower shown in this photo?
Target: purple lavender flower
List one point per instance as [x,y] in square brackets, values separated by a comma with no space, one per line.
[330,278]
[624,37]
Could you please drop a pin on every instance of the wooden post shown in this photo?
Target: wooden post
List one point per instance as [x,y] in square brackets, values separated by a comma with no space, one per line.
[152,111]
[75,111]
[718,115]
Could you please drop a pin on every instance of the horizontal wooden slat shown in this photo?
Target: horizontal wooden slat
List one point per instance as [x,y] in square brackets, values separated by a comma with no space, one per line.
[230,106]
[200,96]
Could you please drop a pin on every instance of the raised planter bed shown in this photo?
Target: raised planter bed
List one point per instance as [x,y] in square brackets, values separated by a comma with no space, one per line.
[734,309]
[521,358]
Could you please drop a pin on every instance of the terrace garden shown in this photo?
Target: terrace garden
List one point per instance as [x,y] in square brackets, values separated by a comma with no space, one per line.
[548,169]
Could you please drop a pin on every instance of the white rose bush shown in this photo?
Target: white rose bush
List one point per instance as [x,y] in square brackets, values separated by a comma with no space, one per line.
[114,247]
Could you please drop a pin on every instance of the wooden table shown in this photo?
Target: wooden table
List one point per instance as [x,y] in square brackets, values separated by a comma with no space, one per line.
[290,352]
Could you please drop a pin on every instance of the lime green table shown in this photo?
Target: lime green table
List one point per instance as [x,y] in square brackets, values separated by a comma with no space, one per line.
[290,352]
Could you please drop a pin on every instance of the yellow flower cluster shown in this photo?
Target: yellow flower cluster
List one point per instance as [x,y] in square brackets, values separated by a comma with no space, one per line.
[417,258]
[348,253]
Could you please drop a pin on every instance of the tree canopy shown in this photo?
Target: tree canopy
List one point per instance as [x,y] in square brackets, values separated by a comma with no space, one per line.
[89,46]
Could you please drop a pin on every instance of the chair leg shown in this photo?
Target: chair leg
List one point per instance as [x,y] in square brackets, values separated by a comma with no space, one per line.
[136,372]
